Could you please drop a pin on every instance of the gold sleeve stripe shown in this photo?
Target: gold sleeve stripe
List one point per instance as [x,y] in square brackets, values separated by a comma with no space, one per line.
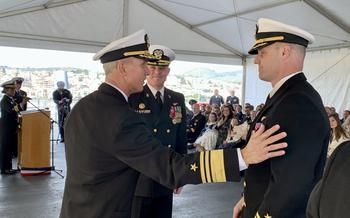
[218,166]
[269,39]
[207,166]
[257,215]
[202,167]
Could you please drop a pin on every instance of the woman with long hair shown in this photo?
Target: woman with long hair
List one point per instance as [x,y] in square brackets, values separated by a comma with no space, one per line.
[224,123]
[338,134]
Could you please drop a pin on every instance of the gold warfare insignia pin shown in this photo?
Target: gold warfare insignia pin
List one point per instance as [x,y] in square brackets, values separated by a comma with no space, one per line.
[194,167]
[142,106]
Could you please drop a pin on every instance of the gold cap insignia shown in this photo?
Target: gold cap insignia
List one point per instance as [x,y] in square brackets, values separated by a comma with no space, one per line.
[142,106]
[158,53]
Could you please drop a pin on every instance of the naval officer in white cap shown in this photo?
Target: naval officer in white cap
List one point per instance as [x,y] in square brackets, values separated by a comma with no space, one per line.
[108,145]
[280,187]
[163,110]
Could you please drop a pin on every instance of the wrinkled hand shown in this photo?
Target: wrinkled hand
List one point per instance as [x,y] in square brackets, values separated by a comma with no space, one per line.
[178,190]
[260,146]
[237,209]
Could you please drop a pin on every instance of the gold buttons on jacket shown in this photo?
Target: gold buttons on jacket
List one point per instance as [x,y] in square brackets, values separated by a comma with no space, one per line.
[169,146]
[155,130]
[168,130]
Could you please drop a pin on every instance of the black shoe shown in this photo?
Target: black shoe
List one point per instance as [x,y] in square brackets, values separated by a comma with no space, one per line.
[9,172]
[62,140]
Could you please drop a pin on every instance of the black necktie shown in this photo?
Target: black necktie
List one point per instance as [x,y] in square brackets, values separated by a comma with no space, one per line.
[159,100]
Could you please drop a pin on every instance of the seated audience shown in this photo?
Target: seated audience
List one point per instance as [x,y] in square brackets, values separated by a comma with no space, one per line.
[216,109]
[247,113]
[338,135]
[346,125]
[239,113]
[224,124]
[207,111]
[328,110]
[195,125]
[208,137]
[237,133]
[346,114]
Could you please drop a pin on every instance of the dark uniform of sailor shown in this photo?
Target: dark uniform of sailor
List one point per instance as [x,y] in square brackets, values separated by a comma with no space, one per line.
[63,107]
[169,126]
[20,94]
[194,128]
[108,145]
[280,187]
[166,118]
[9,127]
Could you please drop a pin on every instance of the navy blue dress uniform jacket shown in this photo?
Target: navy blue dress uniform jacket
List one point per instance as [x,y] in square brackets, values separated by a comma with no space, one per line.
[331,196]
[9,127]
[19,95]
[170,131]
[280,187]
[107,146]
[195,126]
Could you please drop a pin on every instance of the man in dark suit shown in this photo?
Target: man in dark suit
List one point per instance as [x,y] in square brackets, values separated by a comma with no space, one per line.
[19,93]
[108,145]
[63,99]
[232,99]
[331,195]
[9,127]
[163,110]
[216,98]
[280,187]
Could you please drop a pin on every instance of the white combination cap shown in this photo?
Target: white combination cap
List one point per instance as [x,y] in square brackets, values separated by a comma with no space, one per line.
[269,31]
[134,45]
[8,84]
[164,55]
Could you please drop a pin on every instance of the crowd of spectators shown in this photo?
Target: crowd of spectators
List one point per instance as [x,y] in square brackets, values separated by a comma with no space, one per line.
[226,124]
[219,124]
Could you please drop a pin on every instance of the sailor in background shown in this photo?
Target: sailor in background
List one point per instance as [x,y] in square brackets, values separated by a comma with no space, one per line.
[9,127]
[163,110]
[63,98]
[19,93]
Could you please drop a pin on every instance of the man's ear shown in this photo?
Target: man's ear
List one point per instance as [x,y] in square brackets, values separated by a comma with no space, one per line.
[286,51]
[120,65]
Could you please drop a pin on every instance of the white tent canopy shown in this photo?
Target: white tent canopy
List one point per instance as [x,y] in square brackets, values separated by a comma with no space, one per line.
[198,30]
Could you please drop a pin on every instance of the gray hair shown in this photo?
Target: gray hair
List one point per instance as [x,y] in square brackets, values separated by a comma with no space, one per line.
[109,67]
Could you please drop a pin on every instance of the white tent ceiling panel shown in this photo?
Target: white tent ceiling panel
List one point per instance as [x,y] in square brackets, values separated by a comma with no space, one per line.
[208,59]
[71,24]
[232,36]
[339,8]
[307,19]
[50,44]
[193,13]
[163,30]
[246,5]
[6,5]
